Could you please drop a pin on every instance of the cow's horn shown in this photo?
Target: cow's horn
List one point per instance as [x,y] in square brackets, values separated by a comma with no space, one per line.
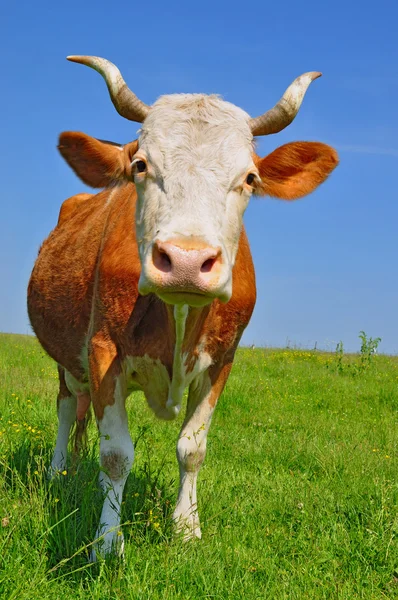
[125,101]
[283,113]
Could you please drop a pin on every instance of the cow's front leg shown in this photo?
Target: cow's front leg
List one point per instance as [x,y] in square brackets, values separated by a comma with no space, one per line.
[191,448]
[116,459]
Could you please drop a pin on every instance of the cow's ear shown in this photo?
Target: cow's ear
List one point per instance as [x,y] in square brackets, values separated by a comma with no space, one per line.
[295,170]
[97,163]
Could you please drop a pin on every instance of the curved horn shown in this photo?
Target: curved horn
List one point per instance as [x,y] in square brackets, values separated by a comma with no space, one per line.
[283,113]
[125,101]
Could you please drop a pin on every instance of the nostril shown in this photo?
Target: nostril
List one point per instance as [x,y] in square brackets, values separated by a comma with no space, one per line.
[165,260]
[214,258]
[207,265]
[161,260]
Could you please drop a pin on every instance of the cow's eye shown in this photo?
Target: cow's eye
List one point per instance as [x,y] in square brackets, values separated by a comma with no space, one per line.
[140,165]
[250,178]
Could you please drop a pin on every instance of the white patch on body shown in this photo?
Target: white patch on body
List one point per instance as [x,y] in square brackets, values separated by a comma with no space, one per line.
[151,377]
[164,395]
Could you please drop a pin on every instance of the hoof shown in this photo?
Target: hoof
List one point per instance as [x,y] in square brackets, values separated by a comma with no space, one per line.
[109,546]
[54,472]
[188,529]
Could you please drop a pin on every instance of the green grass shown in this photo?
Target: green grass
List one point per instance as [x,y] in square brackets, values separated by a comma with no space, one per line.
[298,495]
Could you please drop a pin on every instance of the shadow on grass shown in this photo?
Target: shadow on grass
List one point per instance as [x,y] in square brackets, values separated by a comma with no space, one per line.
[66,510]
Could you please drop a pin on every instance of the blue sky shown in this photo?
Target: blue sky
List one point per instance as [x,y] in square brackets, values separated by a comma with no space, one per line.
[326,265]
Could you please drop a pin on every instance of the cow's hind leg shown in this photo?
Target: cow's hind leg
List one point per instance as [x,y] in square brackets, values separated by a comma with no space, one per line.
[72,407]
[191,448]
[66,408]
[116,459]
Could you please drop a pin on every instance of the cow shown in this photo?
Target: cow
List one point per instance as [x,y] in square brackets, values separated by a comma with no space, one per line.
[149,284]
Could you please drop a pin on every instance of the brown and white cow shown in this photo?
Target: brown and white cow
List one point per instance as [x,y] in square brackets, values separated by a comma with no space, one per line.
[149,284]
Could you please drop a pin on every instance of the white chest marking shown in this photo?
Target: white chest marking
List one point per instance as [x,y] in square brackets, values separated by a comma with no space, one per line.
[150,375]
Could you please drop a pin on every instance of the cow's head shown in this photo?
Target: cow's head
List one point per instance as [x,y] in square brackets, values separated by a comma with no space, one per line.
[195,169]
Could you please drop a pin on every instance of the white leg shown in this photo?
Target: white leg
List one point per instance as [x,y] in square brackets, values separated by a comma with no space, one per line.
[116,457]
[191,451]
[66,418]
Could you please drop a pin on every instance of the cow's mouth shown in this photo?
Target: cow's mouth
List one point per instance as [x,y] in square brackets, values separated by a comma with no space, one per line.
[195,299]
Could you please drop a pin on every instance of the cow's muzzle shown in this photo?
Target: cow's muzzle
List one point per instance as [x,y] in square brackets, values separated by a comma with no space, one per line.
[183,271]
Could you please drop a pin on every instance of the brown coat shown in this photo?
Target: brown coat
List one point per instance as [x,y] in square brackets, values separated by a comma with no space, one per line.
[84,287]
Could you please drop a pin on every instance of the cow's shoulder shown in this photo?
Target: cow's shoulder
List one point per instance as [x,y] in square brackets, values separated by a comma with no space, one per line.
[118,265]
[61,306]
[71,205]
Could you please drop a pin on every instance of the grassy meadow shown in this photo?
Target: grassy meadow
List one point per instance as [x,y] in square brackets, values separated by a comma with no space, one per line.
[298,495]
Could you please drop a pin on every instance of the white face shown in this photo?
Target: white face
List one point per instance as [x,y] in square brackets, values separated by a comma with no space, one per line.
[191,173]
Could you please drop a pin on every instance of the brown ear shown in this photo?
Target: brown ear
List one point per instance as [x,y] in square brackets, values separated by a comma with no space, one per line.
[98,163]
[295,170]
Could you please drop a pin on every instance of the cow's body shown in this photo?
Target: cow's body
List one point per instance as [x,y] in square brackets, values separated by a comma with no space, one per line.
[149,284]
[93,251]
[92,304]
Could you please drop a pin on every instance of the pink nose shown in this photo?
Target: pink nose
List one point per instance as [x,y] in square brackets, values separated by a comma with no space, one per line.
[183,265]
